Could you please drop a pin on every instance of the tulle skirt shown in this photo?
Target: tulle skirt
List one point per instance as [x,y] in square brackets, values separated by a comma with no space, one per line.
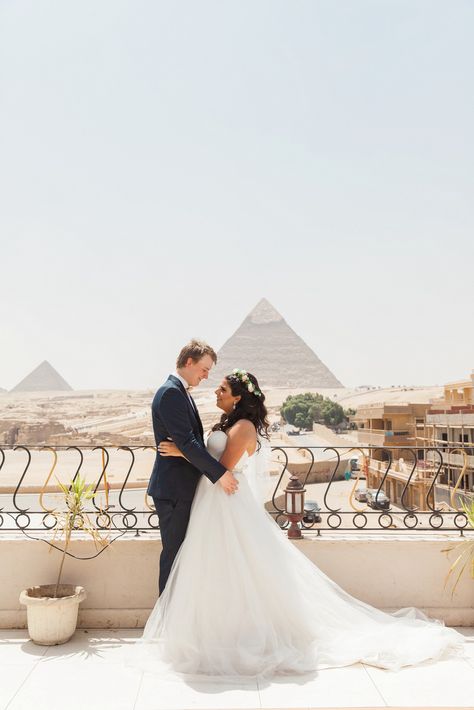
[242,600]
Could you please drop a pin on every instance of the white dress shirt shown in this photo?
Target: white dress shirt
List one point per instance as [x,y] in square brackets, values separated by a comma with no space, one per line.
[185,385]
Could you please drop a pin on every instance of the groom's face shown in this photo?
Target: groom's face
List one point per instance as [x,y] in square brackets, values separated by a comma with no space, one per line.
[194,372]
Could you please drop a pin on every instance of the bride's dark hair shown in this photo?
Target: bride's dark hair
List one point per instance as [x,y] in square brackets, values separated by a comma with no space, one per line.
[250,406]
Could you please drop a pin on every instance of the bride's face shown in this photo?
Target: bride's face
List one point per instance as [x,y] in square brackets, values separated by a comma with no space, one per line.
[224,398]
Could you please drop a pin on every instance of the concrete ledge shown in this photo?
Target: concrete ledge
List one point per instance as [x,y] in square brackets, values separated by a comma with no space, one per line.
[122,582]
[88,618]
[136,618]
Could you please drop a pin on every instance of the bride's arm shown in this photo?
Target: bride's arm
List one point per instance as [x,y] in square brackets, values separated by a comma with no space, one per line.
[240,438]
[169,448]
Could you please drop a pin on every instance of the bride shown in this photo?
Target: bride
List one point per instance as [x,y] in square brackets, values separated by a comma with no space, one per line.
[242,600]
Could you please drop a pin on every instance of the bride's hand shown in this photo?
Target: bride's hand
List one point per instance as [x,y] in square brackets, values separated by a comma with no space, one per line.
[169,448]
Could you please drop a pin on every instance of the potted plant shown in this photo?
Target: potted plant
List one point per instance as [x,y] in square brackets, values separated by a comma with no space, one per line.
[52,609]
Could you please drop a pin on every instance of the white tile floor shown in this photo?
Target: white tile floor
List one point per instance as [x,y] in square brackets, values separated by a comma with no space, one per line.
[89,672]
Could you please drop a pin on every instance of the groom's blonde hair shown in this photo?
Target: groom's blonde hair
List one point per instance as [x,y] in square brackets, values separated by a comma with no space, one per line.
[195,349]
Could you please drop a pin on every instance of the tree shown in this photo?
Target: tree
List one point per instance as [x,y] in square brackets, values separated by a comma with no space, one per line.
[290,412]
[301,410]
[300,420]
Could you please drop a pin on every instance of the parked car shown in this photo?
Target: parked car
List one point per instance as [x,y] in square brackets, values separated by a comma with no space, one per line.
[378,502]
[312,512]
[361,495]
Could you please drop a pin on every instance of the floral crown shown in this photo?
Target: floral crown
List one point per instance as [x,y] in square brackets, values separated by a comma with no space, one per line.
[243,377]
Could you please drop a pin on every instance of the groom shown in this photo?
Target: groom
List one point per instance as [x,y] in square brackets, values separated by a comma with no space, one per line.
[174,479]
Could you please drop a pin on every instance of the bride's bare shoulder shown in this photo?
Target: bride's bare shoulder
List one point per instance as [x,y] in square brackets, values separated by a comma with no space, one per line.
[243,435]
[243,426]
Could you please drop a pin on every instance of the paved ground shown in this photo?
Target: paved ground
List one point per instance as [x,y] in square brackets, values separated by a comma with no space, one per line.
[89,672]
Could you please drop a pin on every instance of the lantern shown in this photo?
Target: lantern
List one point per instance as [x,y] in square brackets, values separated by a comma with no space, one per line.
[294,505]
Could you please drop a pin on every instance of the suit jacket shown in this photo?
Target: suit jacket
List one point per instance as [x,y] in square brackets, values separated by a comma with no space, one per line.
[174,417]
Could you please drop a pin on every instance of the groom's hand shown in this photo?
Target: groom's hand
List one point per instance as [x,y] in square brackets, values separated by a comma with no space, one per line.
[229,482]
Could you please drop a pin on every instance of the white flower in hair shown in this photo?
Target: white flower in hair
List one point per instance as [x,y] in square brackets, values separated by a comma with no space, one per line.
[250,387]
[245,377]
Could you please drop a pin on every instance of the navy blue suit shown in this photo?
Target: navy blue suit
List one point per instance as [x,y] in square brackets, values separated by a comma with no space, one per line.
[174,479]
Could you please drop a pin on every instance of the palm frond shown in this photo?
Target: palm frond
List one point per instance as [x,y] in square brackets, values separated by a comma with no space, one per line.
[465,548]
[74,517]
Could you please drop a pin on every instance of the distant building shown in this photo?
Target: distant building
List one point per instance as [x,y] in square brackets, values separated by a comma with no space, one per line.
[382,424]
[402,424]
[450,425]
[446,423]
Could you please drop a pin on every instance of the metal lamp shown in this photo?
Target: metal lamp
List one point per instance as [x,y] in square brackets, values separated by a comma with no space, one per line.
[294,505]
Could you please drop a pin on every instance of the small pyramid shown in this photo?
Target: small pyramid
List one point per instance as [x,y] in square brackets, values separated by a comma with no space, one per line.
[44,378]
[267,346]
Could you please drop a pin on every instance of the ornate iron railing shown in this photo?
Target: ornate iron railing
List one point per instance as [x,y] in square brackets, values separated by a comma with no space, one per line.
[30,497]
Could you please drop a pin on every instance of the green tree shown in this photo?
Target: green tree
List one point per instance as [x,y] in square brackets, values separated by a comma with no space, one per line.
[291,411]
[300,420]
[301,410]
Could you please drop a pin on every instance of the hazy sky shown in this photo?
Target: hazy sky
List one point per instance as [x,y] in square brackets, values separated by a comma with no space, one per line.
[164,165]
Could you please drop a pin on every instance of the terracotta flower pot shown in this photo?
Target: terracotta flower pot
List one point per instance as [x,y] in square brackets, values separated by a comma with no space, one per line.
[52,620]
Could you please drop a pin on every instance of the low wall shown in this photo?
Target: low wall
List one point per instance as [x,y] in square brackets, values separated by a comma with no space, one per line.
[122,581]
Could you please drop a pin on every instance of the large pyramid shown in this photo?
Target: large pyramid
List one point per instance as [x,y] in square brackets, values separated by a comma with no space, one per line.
[266,346]
[42,379]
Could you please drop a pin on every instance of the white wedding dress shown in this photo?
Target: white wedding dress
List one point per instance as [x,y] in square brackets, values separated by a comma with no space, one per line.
[242,600]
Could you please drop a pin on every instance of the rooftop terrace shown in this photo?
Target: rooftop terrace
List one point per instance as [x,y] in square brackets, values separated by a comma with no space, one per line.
[89,671]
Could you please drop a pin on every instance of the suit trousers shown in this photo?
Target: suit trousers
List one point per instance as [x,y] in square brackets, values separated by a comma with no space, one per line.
[174,518]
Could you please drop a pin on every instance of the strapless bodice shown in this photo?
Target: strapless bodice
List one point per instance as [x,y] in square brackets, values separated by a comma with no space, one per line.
[216,443]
